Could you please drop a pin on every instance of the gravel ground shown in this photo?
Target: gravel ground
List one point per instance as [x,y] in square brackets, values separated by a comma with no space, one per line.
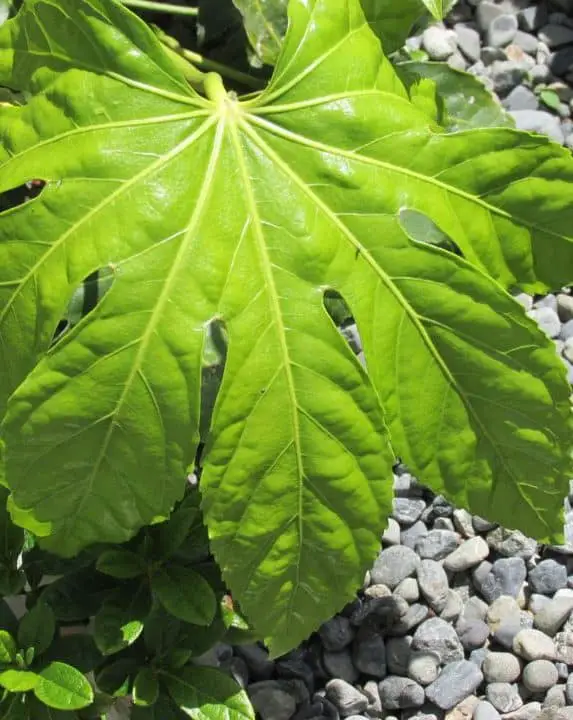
[458,618]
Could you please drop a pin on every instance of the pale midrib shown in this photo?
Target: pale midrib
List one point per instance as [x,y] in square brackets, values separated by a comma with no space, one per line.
[400,299]
[163,160]
[430,180]
[157,310]
[265,265]
[105,127]
[277,108]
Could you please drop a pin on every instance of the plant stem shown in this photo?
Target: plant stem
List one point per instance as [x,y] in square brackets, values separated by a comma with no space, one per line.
[161,7]
[213,66]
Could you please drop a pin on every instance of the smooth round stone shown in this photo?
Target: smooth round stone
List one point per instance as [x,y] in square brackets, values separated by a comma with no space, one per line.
[537,602]
[504,697]
[481,525]
[369,655]
[336,634]
[474,609]
[456,681]
[565,307]
[398,653]
[569,689]
[478,656]
[501,667]
[453,607]
[413,616]
[397,693]
[433,583]
[521,98]
[437,544]
[555,697]
[551,617]
[391,536]
[346,698]
[438,636]
[424,667]
[532,645]
[340,665]
[410,535]
[539,676]
[501,30]
[409,590]
[505,634]
[472,633]
[271,701]
[469,554]
[393,565]
[548,577]
[438,42]
[504,608]
[485,711]
[463,522]
[407,510]
[468,41]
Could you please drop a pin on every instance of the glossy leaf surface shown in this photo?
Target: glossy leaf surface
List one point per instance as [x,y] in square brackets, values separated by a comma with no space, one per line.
[209,208]
[62,687]
[205,693]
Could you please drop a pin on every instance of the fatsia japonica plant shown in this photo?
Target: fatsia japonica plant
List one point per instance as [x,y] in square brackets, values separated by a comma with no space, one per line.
[228,227]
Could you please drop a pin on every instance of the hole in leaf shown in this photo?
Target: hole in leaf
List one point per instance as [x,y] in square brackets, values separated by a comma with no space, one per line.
[420,228]
[213,367]
[16,196]
[339,312]
[84,299]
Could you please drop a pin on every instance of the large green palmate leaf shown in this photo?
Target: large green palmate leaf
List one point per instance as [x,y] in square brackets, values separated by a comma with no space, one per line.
[248,213]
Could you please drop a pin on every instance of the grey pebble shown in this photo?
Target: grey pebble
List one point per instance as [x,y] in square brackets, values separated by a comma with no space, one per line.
[506,577]
[433,583]
[391,535]
[437,544]
[409,590]
[347,699]
[472,633]
[436,635]
[511,543]
[271,701]
[501,667]
[369,655]
[539,676]
[399,692]
[551,617]
[486,711]
[501,30]
[486,12]
[555,36]
[555,697]
[423,667]
[469,554]
[410,535]
[336,634]
[533,17]
[456,681]
[526,41]
[505,75]
[398,652]
[438,42]
[503,696]
[340,665]
[548,577]
[463,522]
[453,607]
[532,644]
[529,711]
[502,609]
[468,41]
[569,689]
[545,317]
[413,616]
[521,98]
[565,307]
[261,667]
[474,609]
[478,656]
[393,565]
[505,634]
[407,510]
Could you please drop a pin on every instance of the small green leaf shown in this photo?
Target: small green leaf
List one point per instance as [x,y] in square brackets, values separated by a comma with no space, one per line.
[122,564]
[439,8]
[172,534]
[37,628]
[8,648]
[550,98]
[185,594]
[119,622]
[63,687]
[207,694]
[18,680]
[145,688]
[265,22]
[115,678]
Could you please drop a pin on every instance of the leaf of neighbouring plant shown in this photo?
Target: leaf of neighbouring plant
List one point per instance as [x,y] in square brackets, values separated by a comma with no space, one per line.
[120,621]
[171,534]
[247,212]
[550,98]
[18,680]
[62,687]
[122,564]
[145,688]
[439,8]
[164,709]
[393,21]
[8,648]
[207,694]
[116,677]
[185,594]
[78,595]
[467,102]
[265,22]
[37,628]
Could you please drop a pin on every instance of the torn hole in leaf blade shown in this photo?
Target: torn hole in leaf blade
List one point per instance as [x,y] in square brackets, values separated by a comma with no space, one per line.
[16,196]
[213,366]
[84,299]
[420,228]
[339,312]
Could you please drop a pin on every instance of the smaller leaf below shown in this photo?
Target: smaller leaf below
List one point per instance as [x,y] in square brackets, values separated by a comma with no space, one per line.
[185,594]
[63,687]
